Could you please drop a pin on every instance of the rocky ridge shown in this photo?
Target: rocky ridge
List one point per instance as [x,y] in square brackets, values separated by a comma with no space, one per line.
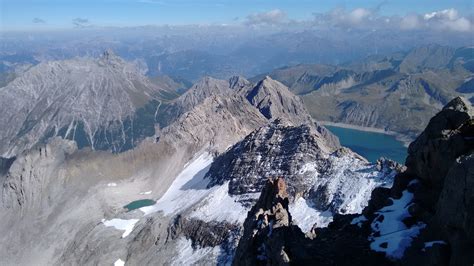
[325,176]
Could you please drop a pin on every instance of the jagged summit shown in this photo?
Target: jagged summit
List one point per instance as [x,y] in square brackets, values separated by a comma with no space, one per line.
[459,104]
[108,57]
[239,82]
[274,100]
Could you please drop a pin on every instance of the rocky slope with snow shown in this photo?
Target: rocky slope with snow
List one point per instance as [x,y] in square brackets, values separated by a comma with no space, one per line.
[424,219]
[322,179]
[65,205]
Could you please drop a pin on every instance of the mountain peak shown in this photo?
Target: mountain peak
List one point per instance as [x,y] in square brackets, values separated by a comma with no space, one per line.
[78,99]
[239,82]
[459,104]
[110,58]
[274,100]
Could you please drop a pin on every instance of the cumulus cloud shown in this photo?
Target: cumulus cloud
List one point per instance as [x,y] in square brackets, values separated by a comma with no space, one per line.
[272,17]
[448,19]
[341,17]
[364,18]
[38,21]
[80,22]
[450,14]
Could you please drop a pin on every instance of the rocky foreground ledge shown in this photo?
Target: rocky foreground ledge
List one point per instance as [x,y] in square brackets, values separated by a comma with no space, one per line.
[426,218]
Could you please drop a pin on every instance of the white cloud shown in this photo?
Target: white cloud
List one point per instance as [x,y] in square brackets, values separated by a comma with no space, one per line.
[447,19]
[272,17]
[363,18]
[340,17]
[358,15]
[450,14]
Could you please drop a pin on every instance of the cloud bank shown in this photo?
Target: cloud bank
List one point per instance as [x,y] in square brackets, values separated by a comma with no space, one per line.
[367,19]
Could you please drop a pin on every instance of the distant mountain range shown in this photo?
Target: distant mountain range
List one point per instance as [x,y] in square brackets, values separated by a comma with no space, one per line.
[397,93]
[221,51]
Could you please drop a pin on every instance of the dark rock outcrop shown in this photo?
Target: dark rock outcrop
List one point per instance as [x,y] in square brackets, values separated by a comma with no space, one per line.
[447,136]
[266,228]
[5,164]
[202,234]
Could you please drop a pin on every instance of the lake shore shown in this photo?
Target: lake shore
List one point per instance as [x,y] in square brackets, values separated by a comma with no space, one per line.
[400,137]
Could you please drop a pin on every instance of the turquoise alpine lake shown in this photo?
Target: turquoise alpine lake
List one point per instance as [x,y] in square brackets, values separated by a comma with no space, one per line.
[138,204]
[371,145]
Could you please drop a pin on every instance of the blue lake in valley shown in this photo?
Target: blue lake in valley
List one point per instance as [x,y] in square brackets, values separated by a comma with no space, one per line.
[371,145]
[138,204]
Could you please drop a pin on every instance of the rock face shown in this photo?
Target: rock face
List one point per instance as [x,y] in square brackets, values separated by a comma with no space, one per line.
[424,219]
[103,103]
[274,100]
[29,177]
[201,90]
[273,150]
[455,210]
[446,201]
[326,178]
[266,227]
[445,139]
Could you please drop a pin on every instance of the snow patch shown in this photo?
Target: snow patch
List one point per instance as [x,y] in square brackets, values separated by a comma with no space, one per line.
[305,216]
[120,224]
[119,262]
[390,235]
[437,242]
[187,189]
[432,243]
[146,193]
[220,206]
[112,184]
[189,256]
[350,182]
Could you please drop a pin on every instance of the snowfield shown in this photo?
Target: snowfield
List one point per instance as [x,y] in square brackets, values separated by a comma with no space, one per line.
[305,216]
[390,235]
[120,224]
[220,206]
[119,262]
[188,188]
[189,256]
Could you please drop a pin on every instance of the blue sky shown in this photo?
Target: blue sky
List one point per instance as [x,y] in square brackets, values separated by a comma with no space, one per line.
[38,14]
